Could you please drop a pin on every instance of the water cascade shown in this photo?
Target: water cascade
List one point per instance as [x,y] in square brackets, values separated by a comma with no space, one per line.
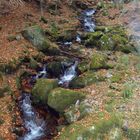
[35,126]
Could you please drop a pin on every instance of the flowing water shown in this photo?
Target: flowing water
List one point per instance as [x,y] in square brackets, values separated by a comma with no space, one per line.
[35,126]
[88,23]
[68,75]
[42,73]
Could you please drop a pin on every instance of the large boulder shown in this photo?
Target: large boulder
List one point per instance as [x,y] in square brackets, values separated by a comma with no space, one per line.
[41,90]
[36,36]
[95,129]
[109,38]
[60,99]
[88,78]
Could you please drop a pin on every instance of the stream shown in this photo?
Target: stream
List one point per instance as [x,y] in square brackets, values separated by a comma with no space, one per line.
[35,125]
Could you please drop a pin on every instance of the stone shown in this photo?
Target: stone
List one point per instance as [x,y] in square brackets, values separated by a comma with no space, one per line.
[83,66]
[86,79]
[77,112]
[60,99]
[36,36]
[54,69]
[41,90]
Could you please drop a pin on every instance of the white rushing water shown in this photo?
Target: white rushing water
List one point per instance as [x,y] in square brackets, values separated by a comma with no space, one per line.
[78,38]
[42,73]
[69,74]
[34,125]
[89,24]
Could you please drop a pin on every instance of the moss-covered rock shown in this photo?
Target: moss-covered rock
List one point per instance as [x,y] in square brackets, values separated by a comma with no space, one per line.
[61,99]
[77,112]
[41,90]
[83,66]
[109,38]
[93,38]
[85,79]
[36,36]
[98,60]
[100,130]
[106,43]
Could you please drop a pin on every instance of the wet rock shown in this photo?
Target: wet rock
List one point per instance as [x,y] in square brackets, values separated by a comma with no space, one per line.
[18,131]
[36,36]
[77,112]
[61,99]
[54,68]
[85,79]
[41,90]
[98,60]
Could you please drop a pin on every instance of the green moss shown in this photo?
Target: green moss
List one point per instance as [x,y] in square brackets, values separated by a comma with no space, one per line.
[36,36]
[61,99]
[109,38]
[83,66]
[85,79]
[128,88]
[98,60]
[132,134]
[77,112]
[92,38]
[117,77]
[100,130]
[41,90]
[106,43]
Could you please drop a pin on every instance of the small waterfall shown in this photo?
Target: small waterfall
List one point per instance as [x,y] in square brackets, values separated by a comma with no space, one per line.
[42,73]
[35,126]
[69,74]
[68,43]
[78,38]
[88,23]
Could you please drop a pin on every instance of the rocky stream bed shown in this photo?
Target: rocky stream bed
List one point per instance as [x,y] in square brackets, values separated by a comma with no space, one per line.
[81,84]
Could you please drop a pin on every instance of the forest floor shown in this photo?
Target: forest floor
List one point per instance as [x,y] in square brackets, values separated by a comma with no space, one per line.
[12,50]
